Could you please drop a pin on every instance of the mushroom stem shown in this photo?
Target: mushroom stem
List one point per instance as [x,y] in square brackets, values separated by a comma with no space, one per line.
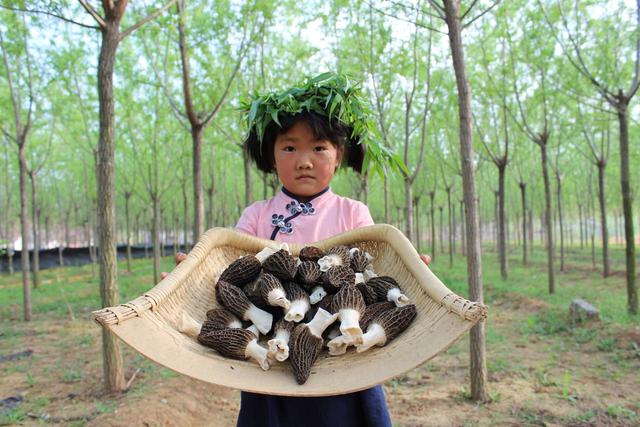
[260,318]
[349,323]
[279,345]
[254,330]
[317,293]
[297,310]
[397,297]
[277,297]
[375,336]
[189,326]
[257,353]
[359,278]
[339,345]
[320,322]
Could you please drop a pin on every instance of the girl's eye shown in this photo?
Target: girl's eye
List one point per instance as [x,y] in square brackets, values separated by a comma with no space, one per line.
[320,148]
[288,148]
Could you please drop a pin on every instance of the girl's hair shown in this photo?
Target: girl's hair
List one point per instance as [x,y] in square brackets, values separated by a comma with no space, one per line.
[334,131]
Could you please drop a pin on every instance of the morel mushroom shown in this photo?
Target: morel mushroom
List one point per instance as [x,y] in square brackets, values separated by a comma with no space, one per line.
[300,303]
[281,264]
[308,273]
[279,344]
[339,345]
[338,255]
[311,253]
[338,276]
[368,293]
[273,292]
[242,271]
[232,298]
[386,326]
[326,303]
[236,343]
[373,310]
[220,318]
[349,305]
[387,289]
[305,344]
[359,259]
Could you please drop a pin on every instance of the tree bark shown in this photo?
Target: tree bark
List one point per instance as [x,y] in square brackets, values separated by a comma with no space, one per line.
[542,143]
[155,233]
[603,220]
[24,231]
[523,198]
[408,210]
[560,223]
[462,235]
[478,368]
[113,365]
[627,208]
[450,233]
[432,195]
[35,226]
[127,199]
[502,246]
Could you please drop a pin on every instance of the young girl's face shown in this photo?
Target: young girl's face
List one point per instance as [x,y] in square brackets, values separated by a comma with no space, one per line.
[305,165]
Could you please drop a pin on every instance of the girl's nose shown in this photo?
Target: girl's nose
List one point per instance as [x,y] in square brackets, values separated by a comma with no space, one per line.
[304,161]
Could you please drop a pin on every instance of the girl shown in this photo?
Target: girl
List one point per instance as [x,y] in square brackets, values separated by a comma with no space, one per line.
[304,144]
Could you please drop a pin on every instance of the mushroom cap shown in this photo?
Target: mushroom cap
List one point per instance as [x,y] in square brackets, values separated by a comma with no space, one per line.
[341,250]
[338,276]
[308,273]
[311,253]
[220,318]
[284,325]
[381,285]
[396,320]
[304,349]
[368,293]
[281,264]
[228,342]
[267,283]
[232,298]
[348,297]
[372,311]
[295,292]
[359,260]
[242,271]
[326,303]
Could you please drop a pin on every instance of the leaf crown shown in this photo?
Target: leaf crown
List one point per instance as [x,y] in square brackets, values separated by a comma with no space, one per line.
[330,94]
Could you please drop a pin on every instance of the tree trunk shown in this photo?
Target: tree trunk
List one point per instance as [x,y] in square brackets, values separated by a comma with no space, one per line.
[462,234]
[155,233]
[560,223]
[432,195]
[478,368]
[35,225]
[387,215]
[185,217]
[127,199]
[198,199]
[547,216]
[441,230]
[603,220]
[408,211]
[530,224]
[450,233]
[629,237]
[24,231]
[248,182]
[523,198]
[113,365]
[502,246]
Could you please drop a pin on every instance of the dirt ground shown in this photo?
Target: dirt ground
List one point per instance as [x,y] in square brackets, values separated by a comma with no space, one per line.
[541,372]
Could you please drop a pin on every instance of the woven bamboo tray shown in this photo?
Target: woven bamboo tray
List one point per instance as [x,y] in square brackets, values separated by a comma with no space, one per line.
[149,323]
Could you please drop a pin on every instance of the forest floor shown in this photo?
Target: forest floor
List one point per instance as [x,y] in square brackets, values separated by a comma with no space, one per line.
[542,370]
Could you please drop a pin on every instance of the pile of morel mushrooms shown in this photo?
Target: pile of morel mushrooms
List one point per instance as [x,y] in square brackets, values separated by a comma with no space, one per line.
[333,299]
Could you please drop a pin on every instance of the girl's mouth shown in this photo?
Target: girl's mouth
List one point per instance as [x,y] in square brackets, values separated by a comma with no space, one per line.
[305,177]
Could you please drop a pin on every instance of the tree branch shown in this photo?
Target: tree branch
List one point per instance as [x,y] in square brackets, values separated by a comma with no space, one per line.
[148,18]
[95,15]
[487,10]
[45,12]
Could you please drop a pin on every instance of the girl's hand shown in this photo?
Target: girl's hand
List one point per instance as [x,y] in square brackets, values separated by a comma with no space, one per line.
[425,258]
[180,256]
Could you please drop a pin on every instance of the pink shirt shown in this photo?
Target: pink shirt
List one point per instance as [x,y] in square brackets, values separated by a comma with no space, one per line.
[332,215]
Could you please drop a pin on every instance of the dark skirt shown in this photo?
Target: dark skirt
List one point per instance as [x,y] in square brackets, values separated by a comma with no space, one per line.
[362,408]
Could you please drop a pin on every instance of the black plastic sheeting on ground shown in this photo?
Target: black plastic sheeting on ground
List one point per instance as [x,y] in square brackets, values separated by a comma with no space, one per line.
[75,256]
